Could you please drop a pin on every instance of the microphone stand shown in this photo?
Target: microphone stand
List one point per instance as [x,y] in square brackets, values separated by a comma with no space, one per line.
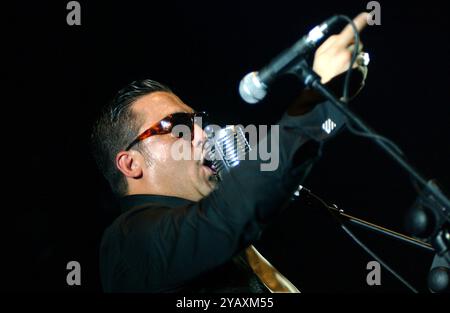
[343,217]
[346,218]
[430,198]
[311,79]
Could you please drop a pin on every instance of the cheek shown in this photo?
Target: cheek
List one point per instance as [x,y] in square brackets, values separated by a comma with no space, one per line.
[157,155]
[175,153]
[178,150]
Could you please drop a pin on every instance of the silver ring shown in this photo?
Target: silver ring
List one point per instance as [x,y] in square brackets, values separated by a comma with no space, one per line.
[363,59]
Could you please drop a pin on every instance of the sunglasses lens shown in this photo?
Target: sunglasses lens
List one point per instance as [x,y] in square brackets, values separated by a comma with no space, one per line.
[181,119]
[186,119]
[166,125]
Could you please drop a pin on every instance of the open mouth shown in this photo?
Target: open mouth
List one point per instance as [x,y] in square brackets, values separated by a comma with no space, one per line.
[209,164]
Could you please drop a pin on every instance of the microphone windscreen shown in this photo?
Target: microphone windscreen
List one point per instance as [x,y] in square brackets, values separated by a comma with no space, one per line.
[226,147]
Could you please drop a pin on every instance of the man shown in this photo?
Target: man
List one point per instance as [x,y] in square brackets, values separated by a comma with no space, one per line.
[180,230]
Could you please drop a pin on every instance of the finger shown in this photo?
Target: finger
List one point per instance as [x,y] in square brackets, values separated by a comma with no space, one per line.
[341,63]
[351,47]
[347,36]
[326,44]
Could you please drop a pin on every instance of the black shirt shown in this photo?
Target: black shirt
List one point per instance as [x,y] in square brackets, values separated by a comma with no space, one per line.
[168,244]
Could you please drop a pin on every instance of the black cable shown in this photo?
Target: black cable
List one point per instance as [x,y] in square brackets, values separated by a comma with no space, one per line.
[346,89]
[387,141]
[349,123]
[376,257]
[353,59]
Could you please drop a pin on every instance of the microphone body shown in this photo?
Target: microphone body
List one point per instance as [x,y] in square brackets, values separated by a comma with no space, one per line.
[253,87]
[227,147]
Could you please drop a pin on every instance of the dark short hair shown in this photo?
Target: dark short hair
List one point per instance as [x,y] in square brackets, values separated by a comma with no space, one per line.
[116,127]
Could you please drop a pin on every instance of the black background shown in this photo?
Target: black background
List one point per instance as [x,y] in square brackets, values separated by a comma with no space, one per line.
[57,204]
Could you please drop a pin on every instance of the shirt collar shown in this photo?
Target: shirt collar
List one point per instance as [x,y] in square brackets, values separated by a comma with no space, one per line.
[135,201]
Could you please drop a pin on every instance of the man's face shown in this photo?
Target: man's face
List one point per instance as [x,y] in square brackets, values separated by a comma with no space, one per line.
[168,174]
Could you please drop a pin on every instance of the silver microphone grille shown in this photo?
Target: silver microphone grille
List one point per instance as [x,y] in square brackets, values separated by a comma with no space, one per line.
[226,147]
[251,89]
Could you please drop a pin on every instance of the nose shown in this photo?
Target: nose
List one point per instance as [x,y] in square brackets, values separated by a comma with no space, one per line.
[199,136]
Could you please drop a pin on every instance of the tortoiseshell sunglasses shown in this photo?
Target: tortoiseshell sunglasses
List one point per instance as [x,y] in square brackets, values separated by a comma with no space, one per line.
[166,125]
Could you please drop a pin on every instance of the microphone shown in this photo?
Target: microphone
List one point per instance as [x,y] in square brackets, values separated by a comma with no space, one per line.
[253,87]
[226,147]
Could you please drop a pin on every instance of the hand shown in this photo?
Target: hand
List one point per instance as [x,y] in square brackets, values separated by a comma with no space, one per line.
[334,55]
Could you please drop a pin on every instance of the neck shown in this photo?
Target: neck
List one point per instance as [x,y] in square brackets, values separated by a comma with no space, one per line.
[135,189]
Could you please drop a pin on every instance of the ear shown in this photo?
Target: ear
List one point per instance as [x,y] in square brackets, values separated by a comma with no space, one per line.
[129,164]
